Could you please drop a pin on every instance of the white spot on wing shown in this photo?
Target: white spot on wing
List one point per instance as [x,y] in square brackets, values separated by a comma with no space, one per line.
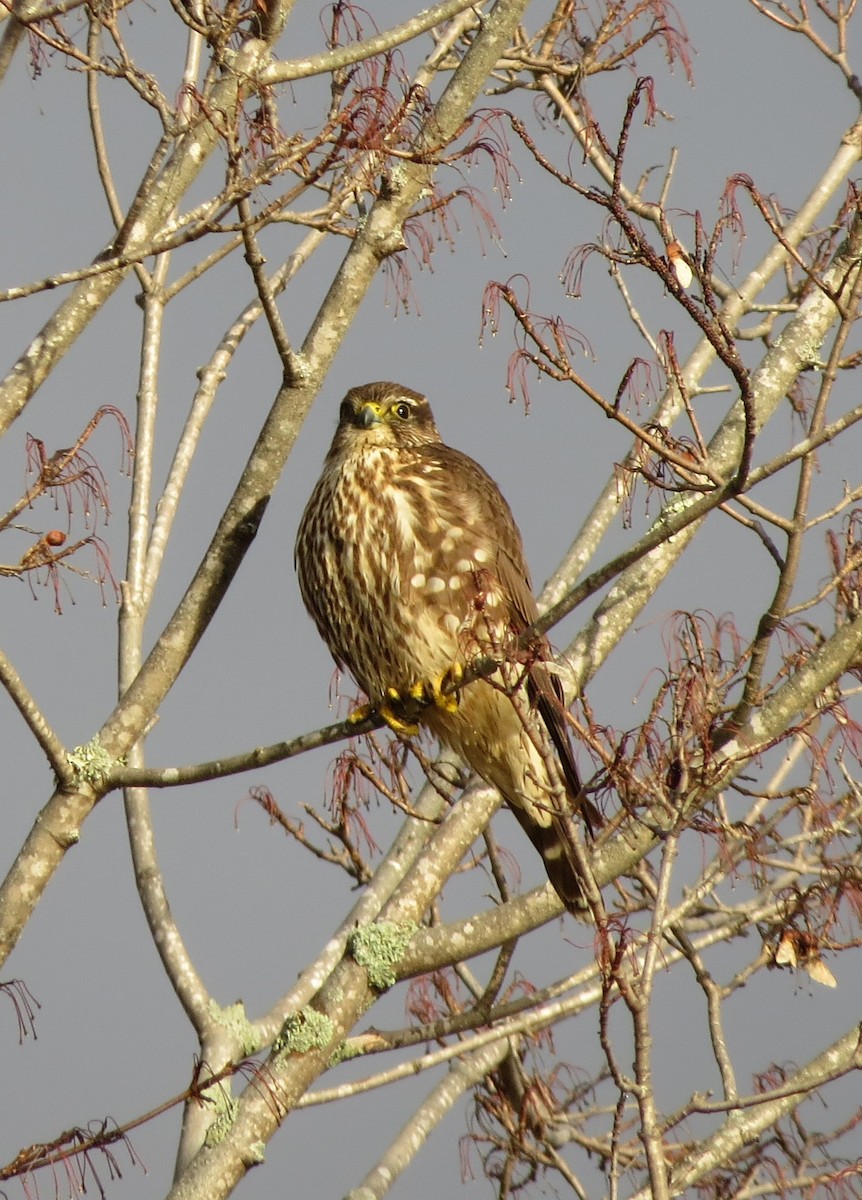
[452,536]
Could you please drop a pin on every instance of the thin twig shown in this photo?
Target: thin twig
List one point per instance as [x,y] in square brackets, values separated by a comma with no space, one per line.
[53,747]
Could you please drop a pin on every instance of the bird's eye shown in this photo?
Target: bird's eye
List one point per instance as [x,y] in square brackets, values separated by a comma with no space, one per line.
[346,411]
[403,411]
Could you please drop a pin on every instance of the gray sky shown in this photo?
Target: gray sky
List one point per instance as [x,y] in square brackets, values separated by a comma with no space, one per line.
[111,1038]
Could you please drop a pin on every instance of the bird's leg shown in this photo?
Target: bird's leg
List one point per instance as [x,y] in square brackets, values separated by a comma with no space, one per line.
[401,710]
[441,692]
[397,712]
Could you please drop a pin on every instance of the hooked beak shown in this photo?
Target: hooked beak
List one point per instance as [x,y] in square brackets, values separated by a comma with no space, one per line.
[368,415]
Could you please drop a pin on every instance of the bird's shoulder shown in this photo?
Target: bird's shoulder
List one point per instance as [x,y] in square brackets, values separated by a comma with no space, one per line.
[483,507]
[469,479]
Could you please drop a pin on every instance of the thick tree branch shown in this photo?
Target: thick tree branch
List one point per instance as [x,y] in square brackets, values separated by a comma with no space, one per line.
[794,350]
[344,56]
[739,301]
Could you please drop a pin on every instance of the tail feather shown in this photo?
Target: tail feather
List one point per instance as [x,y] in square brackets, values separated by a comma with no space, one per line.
[560,865]
[491,733]
[546,693]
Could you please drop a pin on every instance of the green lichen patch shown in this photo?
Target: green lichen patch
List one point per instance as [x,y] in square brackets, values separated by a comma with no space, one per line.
[379,947]
[255,1154]
[343,1053]
[226,1110]
[234,1019]
[91,764]
[303,1031]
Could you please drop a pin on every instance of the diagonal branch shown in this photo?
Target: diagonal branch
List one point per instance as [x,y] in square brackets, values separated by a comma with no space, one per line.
[345,56]
[607,506]
[794,350]
[744,1126]
[54,749]
[160,192]
[380,236]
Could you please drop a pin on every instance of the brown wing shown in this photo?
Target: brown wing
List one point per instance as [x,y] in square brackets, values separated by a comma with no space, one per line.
[544,688]
[483,506]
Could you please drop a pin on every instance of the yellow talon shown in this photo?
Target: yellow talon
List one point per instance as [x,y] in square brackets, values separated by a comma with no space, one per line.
[399,709]
[387,712]
[442,692]
[451,681]
[397,721]
[361,714]
[397,724]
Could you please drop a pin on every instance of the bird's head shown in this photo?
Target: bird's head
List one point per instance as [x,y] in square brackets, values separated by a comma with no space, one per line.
[384,414]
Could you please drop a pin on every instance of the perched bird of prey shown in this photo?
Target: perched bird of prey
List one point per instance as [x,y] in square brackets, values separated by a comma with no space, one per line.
[411,564]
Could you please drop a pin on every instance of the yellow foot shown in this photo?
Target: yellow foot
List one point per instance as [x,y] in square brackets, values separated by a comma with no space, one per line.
[361,714]
[392,711]
[442,692]
[401,710]
[398,713]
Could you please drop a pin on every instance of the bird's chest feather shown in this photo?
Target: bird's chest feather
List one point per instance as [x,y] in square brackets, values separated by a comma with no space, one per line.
[410,565]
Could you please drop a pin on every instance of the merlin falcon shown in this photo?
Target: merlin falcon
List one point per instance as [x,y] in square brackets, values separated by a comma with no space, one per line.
[411,565]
